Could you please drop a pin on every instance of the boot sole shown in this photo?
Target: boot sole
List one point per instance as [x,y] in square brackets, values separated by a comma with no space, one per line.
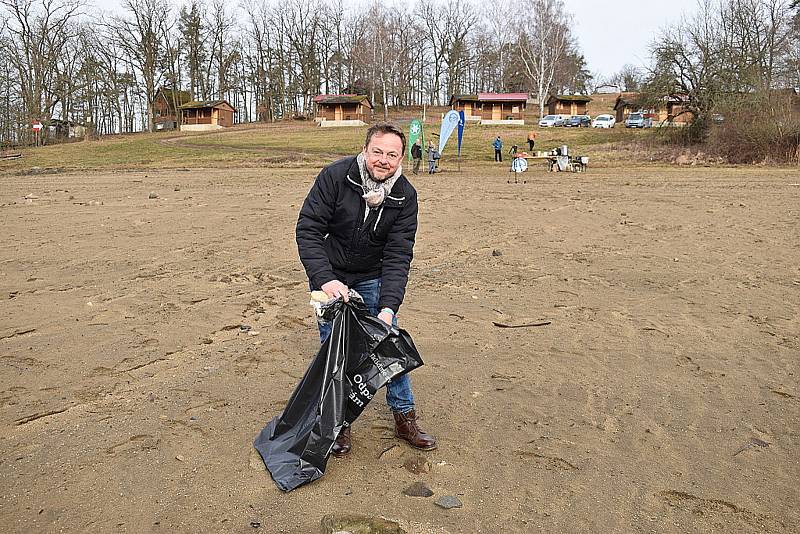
[431,448]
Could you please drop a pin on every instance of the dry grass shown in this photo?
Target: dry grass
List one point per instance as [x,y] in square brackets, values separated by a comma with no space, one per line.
[292,144]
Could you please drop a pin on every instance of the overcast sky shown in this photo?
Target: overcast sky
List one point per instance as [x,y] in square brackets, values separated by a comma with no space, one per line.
[617,32]
[610,34]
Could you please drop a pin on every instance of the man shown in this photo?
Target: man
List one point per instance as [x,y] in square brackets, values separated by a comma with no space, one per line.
[356,230]
[498,149]
[531,140]
[416,155]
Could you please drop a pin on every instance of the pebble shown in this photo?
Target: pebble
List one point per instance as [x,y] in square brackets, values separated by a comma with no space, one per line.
[417,465]
[448,501]
[179,458]
[497,253]
[152,194]
[418,489]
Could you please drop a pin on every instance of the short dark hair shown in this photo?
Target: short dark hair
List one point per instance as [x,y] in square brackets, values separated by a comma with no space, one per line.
[385,128]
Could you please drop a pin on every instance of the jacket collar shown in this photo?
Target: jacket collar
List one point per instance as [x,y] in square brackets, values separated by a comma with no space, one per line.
[395,199]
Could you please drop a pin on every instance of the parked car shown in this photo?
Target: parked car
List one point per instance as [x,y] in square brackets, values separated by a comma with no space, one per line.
[604,121]
[551,120]
[638,120]
[578,120]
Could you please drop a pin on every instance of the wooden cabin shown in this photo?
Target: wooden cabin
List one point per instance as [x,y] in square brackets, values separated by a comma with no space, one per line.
[492,108]
[342,110]
[626,104]
[59,130]
[674,110]
[670,109]
[206,115]
[166,104]
[567,104]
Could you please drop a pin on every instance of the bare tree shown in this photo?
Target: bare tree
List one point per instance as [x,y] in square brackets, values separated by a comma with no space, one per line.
[37,33]
[222,49]
[190,24]
[544,39]
[139,35]
[500,41]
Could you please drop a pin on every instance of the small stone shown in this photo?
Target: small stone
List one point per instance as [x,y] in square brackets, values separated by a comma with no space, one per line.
[179,458]
[152,194]
[418,489]
[417,464]
[497,253]
[448,501]
[255,524]
[253,333]
[31,196]
[177,188]
[193,418]
[207,341]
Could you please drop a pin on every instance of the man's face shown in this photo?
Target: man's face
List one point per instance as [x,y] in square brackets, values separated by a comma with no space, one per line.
[383,155]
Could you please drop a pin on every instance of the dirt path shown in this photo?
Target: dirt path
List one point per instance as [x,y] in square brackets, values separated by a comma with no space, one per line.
[129,397]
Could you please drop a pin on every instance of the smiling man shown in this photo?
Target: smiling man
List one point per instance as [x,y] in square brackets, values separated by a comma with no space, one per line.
[356,230]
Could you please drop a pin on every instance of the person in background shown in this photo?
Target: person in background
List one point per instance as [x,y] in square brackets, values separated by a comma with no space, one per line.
[498,149]
[531,140]
[416,155]
[433,155]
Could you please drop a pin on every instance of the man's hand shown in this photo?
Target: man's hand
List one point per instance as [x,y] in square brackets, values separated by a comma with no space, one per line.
[334,289]
[386,317]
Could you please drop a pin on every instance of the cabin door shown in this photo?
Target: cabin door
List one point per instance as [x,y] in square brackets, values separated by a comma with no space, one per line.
[497,112]
[337,115]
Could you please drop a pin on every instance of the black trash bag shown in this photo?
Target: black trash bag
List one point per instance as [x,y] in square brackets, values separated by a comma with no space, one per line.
[361,355]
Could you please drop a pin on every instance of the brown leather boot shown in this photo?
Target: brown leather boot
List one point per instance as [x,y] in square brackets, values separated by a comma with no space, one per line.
[343,444]
[406,427]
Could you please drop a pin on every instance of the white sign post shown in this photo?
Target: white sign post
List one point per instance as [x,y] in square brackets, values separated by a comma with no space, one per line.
[37,129]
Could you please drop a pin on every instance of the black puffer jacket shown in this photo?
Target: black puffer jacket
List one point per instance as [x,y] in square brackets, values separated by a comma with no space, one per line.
[336,242]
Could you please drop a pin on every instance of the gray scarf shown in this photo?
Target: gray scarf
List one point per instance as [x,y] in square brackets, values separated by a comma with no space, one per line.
[375,192]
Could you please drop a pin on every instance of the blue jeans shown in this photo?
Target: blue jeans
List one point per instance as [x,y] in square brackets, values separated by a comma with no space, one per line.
[398,392]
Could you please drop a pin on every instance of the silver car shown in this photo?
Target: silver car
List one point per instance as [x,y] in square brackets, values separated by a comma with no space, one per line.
[551,120]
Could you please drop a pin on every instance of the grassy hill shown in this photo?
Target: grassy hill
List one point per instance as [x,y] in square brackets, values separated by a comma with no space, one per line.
[289,144]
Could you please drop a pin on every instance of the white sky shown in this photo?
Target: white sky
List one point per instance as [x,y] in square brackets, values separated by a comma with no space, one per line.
[610,34]
[614,33]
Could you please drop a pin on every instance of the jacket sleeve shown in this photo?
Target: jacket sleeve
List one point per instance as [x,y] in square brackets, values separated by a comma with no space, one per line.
[397,255]
[312,227]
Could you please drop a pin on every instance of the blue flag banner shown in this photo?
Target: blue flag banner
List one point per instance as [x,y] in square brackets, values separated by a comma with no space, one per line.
[449,124]
[461,123]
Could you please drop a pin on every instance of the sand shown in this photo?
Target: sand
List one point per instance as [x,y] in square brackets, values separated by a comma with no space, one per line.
[662,397]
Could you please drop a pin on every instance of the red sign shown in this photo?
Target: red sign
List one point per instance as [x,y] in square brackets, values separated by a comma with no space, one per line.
[37,125]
